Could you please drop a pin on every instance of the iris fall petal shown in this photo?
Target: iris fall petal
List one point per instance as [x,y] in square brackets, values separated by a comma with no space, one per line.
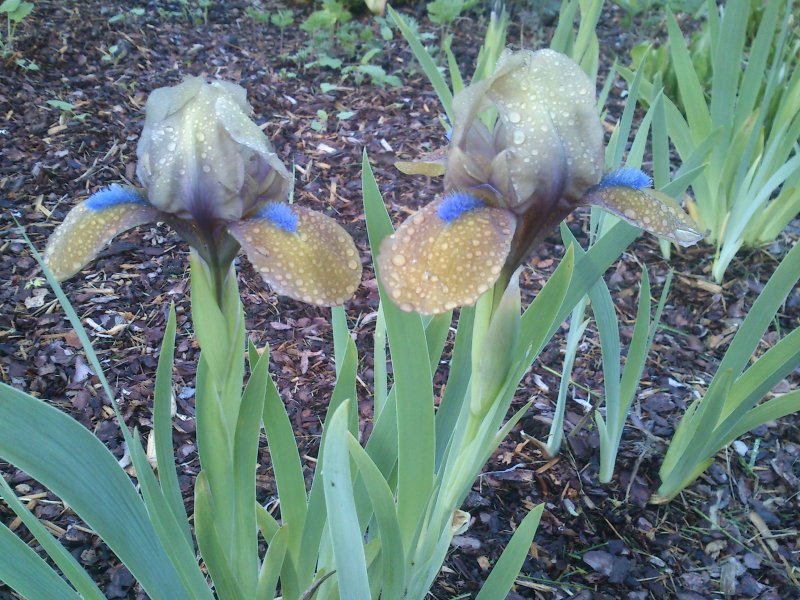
[300,253]
[431,164]
[446,255]
[651,210]
[90,226]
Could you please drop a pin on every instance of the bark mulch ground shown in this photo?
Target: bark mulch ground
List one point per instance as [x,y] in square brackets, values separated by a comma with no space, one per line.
[733,533]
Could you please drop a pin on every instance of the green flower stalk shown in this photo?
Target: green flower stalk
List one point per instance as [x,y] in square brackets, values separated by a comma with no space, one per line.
[209,172]
[505,189]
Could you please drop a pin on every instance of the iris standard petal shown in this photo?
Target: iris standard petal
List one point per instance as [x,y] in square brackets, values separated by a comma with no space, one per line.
[651,210]
[300,253]
[202,158]
[549,83]
[446,255]
[91,225]
[548,141]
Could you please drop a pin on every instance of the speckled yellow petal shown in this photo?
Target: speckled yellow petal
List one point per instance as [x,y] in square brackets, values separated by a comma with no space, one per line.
[446,255]
[86,230]
[301,253]
[651,210]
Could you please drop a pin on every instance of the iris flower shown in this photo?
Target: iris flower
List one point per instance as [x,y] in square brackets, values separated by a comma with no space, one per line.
[209,172]
[506,189]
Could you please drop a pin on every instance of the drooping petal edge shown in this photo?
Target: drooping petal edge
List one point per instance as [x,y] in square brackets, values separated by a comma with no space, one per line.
[301,253]
[91,225]
[431,164]
[653,211]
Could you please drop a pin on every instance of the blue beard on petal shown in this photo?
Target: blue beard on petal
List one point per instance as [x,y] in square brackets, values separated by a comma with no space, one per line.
[625,177]
[456,204]
[114,195]
[279,214]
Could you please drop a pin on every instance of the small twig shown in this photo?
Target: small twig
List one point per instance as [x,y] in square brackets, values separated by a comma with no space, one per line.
[585,418]
[645,451]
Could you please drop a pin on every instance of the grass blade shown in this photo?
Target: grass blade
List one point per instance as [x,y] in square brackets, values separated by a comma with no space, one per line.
[26,572]
[272,565]
[505,572]
[382,499]
[413,382]
[70,567]
[428,65]
[348,545]
[162,428]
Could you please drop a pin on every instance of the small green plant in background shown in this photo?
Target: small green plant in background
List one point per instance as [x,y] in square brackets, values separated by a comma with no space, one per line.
[635,8]
[196,11]
[345,46]
[122,17]
[325,23]
[281,19]
[259,16]
[28,65]
[445,12]
[321,122]
[67,111]
[15,12]
[113,54]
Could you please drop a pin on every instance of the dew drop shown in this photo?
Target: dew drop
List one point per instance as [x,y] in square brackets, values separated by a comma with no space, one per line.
[514,117]
[519,136]
[398,260]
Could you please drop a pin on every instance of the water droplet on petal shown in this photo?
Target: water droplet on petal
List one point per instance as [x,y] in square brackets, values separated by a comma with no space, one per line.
[514,117]
[519,136]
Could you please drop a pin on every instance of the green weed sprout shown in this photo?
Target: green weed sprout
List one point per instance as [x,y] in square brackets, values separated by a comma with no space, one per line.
[282,19]
[15,11]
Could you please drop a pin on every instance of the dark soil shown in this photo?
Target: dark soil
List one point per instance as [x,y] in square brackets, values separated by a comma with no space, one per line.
[734,532]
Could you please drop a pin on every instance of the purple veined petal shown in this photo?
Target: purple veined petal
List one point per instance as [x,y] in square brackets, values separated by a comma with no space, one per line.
[300,253]
[446,255]
[651,210]
[91,225]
